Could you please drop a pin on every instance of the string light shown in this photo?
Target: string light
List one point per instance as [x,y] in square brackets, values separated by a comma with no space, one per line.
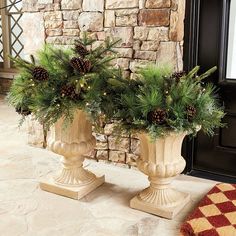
[104,93]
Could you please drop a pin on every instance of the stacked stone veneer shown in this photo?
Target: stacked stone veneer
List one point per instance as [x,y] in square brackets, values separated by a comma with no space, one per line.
[150,31]
[124,150]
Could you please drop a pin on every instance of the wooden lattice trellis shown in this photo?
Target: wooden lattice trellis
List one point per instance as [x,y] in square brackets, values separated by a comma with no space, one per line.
[11,41]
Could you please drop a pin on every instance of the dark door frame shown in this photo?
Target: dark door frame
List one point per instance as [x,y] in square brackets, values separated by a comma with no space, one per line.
[192,18]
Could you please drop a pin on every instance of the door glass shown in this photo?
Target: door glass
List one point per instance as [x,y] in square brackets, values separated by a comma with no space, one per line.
[231,60]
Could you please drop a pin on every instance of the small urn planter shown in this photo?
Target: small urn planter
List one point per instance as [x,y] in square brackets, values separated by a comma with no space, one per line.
[161,161]
[72,142]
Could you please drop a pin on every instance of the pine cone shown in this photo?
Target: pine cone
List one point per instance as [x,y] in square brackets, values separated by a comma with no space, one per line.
[23,111]
[81,50]
[178,75]
[87,65]
[157,116]
[69,91]
[40,74]
[191,112]
[80,64]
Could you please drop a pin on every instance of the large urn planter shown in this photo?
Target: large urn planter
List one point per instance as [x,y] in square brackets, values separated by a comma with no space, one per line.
[161,161]
[72,142]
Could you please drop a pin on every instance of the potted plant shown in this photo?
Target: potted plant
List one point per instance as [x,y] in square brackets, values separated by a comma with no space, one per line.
[163,107]
[56,87]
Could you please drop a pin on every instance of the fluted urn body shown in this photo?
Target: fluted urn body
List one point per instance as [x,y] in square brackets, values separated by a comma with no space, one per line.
[72,141]
[161,161]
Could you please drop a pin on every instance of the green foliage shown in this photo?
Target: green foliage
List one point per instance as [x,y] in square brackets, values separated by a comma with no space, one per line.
[58,81]
[67,88]
[160,89]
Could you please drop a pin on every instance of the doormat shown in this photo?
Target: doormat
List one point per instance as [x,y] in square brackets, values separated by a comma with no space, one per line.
[215,215]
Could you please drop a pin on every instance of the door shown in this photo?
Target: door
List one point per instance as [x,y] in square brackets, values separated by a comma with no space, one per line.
[210,39]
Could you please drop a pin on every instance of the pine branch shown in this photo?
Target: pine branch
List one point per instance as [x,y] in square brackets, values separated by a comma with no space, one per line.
[207,73]
[32,59]
[22,64]
[193,72]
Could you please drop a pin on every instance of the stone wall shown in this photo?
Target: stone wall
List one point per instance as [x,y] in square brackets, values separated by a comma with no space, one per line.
[150,31]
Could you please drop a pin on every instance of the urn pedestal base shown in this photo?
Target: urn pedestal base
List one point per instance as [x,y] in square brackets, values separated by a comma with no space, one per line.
[163,211]
[72,142]
[71,192]
[161,161]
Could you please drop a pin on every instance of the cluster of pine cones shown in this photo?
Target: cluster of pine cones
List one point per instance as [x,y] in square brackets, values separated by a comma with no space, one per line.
[79,63]
[159,116]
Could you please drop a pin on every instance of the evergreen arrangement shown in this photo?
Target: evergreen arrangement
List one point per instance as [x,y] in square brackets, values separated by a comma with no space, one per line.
[59,81]
[160,101]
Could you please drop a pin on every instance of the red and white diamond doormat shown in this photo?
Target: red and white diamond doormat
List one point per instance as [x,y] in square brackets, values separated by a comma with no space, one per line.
[215,215]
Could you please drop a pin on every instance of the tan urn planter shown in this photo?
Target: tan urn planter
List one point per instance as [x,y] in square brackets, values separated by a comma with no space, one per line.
[72,142]
[161,161]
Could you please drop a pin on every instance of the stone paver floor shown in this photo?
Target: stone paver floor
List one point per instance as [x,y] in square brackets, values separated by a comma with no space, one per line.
[25,210]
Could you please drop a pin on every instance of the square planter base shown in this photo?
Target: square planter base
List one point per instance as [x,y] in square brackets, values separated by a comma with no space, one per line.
[166,212]
[71,192]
